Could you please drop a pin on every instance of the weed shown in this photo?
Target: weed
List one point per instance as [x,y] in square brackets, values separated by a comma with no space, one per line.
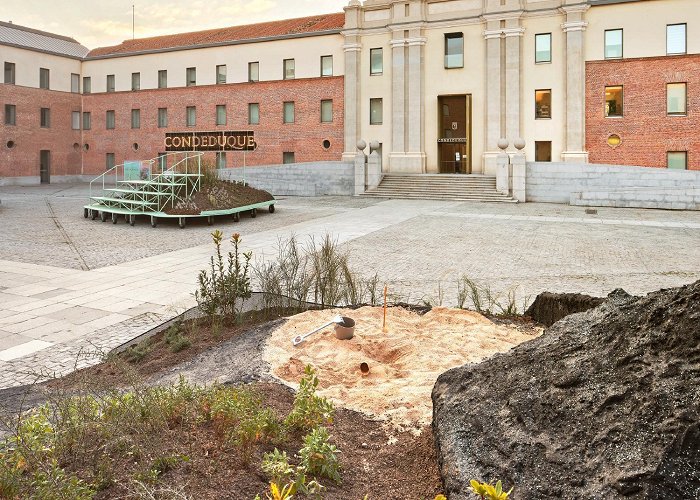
[137,352]
[489,491]
[175,338]
[318,456]
[309,410]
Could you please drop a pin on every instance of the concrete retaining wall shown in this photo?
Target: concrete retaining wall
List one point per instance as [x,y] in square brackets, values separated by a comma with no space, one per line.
[299,179]
[613,186]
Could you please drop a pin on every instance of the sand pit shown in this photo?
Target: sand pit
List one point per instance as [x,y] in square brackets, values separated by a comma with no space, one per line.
[403,363]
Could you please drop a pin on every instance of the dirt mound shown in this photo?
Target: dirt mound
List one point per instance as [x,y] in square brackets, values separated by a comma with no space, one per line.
[220,195]
[404,361]
[604,405]
[548,308]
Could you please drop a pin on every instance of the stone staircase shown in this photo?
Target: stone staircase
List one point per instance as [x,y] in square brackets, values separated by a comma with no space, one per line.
[456,187]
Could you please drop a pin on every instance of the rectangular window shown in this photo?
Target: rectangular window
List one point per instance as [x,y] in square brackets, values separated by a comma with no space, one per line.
[543,48]
[221,74]
[375,111]
[75,83]
[543,104]
[109,120]
[288,112]
[288,69]
[10,73]
[87,85]
[288,157]
[613,101]
[454,50]
[135,118]
[75,120]
[253,71]
[87,122]
[220,159]
[110,83]
[163,79]
[543,150]
[327,111]
[676,98]
[676,41]
[44,78]
[191,120]
[253,113]
[135,81]
[45,118]
[10,114]
[677,160]
[191,77]
[109,161]
[376,61]
[221,114]
[326,65]
[613,44]
[162,117]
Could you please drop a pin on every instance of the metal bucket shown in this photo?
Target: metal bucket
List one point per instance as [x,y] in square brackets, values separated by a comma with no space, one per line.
[346,329]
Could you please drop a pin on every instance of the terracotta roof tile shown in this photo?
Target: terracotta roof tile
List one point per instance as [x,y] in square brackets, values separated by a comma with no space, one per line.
[301,25]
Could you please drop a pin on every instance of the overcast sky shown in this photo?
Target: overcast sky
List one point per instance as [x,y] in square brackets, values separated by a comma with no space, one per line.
[98,23]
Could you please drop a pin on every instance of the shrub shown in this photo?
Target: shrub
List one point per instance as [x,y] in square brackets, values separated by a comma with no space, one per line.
[318,456]
[309,410]
[277,467]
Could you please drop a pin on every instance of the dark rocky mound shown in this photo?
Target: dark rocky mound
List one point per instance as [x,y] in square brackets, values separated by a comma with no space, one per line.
[605,404]
[548,308]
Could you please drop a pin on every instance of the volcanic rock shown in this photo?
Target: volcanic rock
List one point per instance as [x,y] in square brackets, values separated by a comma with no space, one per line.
[605,404]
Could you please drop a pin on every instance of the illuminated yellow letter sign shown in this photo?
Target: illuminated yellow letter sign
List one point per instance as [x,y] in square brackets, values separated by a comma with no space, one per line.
[221,140]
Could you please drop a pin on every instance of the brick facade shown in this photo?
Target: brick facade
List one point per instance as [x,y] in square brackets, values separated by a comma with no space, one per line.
[29,138]
[647,132]
[304,137]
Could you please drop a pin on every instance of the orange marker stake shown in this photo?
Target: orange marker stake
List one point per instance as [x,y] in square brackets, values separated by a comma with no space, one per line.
[384,324]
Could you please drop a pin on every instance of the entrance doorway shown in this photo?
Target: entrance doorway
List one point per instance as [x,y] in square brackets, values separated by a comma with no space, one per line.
[45,166]
[454,135]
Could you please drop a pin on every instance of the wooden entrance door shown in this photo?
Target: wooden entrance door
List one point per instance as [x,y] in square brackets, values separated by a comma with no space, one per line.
[454,135]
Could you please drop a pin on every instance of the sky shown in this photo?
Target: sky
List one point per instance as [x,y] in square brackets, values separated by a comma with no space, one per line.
[100,23]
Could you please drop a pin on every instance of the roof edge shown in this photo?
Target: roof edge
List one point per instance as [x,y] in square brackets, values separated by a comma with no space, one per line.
[42,51]
[39,32]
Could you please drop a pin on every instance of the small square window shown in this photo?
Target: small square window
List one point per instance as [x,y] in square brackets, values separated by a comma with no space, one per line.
[87,122]
[253,71]
[376,61]
[543,48]
[109,161]
[191,120]
[220,159]
[110,120]
[162,117]
[10,114]
[45,118]
[543,150]
[87,85]
[543,104]
[44,78]
[135,118]
[288,112]
[163,79]
[75,120]
[253,113]
[221,74]
[135,81]
[676,41]
[613,101]
[288,69]
[677,160]
[676,98]
[191,77]
[75,83]
[288,157]
[375,111]
[221,114]
[326,65]
[110,83]
[327,111]
[10,73]
[613,44]
[454,50]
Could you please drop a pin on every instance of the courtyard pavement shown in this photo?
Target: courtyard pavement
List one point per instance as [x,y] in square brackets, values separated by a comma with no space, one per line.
[71,289]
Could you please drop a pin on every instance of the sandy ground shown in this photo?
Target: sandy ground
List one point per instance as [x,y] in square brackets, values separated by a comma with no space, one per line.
[404,361]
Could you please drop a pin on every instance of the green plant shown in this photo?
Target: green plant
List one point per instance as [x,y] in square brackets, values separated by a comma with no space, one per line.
[309,410]
[277,467]
[224,288]
[137,352]
[318,456]
[175,338]
[489,491]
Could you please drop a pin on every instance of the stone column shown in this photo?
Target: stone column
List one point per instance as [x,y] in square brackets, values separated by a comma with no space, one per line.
[352,51]
[397,110]
[360,162]
[575,85]
[513,34]
[415,152]
[492,35]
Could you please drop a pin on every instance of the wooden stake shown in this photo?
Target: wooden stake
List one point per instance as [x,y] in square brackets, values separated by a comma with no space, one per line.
[384,324]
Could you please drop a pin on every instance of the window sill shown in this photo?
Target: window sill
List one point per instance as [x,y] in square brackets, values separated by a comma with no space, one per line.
[543,62]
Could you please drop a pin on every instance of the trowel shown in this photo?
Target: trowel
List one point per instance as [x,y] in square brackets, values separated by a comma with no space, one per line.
[338,320]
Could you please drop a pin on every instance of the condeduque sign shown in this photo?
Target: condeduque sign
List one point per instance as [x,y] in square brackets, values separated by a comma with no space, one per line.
[220,140]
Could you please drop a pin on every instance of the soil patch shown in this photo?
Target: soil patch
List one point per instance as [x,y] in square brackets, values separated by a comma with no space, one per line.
[404,361]
[220,195]
[548,308]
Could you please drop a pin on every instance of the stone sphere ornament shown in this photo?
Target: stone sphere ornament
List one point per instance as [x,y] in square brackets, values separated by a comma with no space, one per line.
[519,143]
[502,143]
[361,145]
[373,146]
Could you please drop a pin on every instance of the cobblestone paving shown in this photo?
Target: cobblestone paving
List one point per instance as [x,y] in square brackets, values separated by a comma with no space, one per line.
[59,316]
